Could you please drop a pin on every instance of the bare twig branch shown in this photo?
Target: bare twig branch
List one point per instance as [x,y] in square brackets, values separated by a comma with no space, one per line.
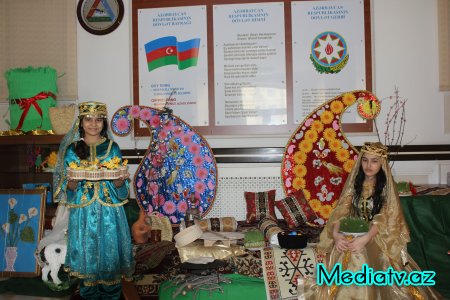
[395,121]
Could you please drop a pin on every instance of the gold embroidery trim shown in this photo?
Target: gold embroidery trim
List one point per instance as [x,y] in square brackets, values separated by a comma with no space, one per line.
[345,260]
[96,282]
[95,197]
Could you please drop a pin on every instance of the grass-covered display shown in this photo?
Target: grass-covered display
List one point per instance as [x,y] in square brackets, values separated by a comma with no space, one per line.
[353,225]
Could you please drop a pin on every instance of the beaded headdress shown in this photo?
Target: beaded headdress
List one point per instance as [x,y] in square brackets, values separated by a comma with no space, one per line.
[91,108]
[377,149]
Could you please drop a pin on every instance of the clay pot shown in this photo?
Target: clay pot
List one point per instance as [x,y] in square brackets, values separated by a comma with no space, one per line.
[140,230]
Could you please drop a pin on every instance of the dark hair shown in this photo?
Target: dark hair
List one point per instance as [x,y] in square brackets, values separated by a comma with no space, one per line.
[81,148]
[377,196]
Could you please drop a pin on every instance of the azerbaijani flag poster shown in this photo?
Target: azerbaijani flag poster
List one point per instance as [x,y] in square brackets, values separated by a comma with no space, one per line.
[173,61]
[168,51]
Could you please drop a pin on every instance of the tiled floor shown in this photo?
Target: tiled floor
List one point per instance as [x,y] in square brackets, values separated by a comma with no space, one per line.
[11,296]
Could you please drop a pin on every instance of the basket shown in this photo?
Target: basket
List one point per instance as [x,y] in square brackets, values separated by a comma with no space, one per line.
[163,223]
[61,118]
[123,171]
[111,174]
[94,175]
[76,174]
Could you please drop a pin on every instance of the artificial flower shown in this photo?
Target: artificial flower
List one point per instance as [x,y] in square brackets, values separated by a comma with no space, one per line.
[298,183]
[145,114]
[317,126]
[336,106]
[201,173]
[311,135]
[305,146]
[326,117]
[307,194]
[182,206]
[342,154]
[300,170]
[123,124]
[348,99]
[325,211]
[194,149]
[199,187]
[32,212]
[299,157]
[169,207]
[135,111]
[197,161]
[348,165]
[155,121]
[12,202]
[22,218]
[315,204]
[335,145]
[17,227]
[329,134]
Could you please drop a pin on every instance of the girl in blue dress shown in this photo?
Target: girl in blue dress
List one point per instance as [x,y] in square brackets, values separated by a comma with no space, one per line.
[99,248]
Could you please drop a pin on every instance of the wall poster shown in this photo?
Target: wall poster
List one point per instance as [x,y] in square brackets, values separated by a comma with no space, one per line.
[328,53]
[173,61]
[249,64]
[260,67]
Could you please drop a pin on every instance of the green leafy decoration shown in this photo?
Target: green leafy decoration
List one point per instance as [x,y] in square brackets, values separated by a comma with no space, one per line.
[353,225]
[13,217]
[27,235]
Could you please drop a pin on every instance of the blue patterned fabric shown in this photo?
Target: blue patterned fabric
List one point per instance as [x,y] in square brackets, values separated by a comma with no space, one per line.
[177,166]
[99,248]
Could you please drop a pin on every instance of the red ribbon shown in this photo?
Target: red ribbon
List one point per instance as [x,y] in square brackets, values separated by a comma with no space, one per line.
[25,104]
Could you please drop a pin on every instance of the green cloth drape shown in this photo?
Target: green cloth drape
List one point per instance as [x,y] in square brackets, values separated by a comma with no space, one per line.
[428,218]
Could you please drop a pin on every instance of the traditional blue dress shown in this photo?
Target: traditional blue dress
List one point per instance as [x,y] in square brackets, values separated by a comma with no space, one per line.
[99,248]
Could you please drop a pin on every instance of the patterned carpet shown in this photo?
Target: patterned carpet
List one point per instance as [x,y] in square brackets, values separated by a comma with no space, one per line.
[282,267]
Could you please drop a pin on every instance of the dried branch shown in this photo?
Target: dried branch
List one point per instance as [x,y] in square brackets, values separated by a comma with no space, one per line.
[395,121]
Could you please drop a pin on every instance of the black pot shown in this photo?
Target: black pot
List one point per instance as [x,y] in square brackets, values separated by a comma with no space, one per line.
[288,241]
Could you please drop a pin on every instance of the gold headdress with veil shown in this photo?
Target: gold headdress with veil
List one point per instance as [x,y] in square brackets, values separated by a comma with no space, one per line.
[90,108]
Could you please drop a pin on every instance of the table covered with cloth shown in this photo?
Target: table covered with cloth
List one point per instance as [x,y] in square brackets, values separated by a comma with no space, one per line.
[428,217]
[241,287]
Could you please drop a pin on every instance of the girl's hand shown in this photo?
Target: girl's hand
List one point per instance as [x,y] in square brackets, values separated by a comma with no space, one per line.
[340,242]
[121,180]
[72,184]
[358,243]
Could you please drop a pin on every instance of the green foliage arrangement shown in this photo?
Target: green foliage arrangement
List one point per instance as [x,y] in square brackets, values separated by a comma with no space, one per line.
[353,225]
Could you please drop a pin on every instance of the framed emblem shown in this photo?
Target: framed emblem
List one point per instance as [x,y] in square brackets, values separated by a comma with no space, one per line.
[100,17]
[329,52]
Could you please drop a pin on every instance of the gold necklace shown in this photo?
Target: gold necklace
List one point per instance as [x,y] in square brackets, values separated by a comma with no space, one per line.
[367,190]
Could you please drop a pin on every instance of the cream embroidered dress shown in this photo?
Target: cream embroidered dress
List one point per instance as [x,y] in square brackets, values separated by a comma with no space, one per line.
[386,249]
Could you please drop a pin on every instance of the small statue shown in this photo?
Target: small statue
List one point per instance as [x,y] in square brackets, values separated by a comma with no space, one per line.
[192,213]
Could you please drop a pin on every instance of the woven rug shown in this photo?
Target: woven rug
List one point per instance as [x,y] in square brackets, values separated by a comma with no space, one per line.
[282,267]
